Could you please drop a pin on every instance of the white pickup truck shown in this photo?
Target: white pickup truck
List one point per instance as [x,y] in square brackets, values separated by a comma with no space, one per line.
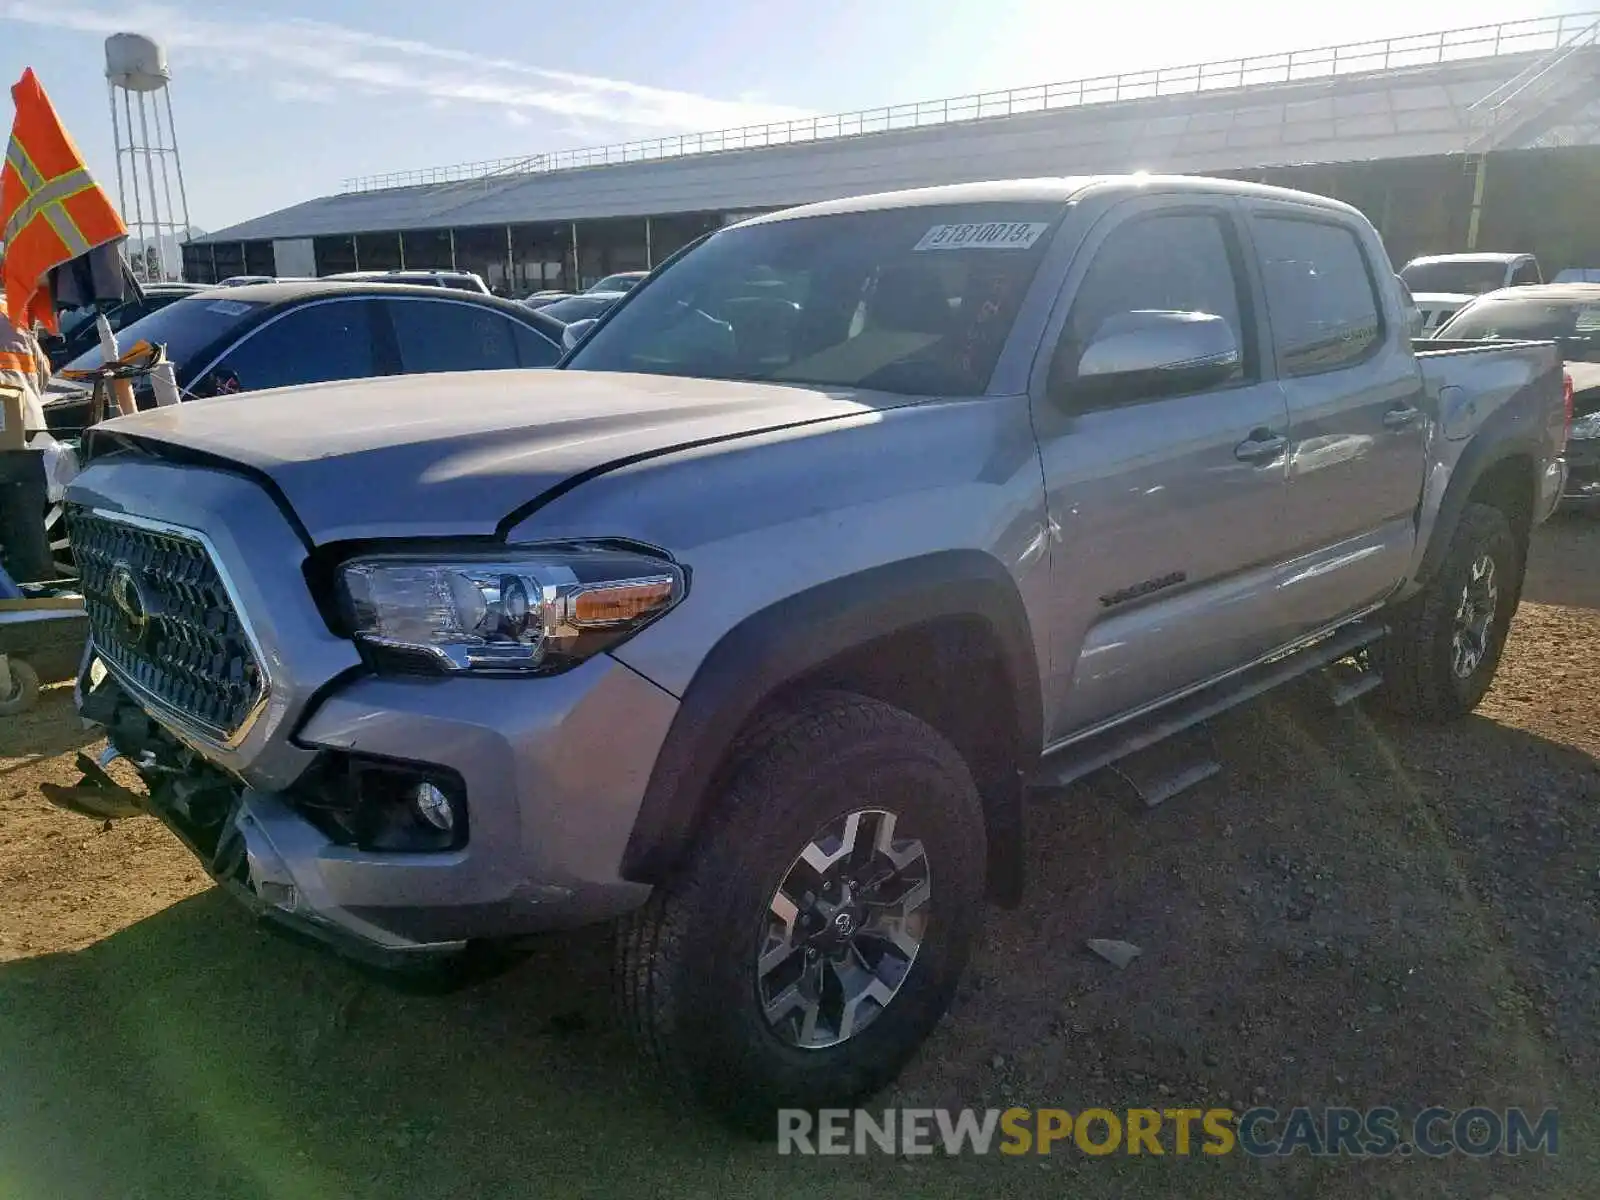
[1443,284]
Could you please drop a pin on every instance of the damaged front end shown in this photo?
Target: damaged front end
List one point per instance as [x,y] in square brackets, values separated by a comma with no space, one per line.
[234,831]
[194,799]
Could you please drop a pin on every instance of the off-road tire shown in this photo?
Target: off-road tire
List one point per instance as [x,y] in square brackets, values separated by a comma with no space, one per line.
[686,977]
[24,689]
[1415,660]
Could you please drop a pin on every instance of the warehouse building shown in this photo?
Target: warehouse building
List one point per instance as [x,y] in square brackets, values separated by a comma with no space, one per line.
[1478,138]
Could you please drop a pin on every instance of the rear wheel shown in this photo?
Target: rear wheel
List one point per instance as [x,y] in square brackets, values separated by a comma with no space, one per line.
[818,933]
[1445,642]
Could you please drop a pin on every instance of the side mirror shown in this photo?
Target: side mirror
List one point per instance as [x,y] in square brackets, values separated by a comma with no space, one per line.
[1144,354]
[576,332]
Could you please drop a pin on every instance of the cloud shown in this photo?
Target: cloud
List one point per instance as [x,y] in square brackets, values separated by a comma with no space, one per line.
[317,60]
[303,89]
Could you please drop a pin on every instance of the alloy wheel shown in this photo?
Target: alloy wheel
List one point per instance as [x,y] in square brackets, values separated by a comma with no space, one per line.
[1474,621]
[842,930]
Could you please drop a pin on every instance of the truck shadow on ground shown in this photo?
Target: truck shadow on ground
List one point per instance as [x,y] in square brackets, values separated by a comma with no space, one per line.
[1355,913]
[1562,567]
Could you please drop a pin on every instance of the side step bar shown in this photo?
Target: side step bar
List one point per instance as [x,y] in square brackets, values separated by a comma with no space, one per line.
[1078,759]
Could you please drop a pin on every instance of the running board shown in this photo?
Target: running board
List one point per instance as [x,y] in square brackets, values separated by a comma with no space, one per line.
[1348,683]
[1088,755]
[1158,773]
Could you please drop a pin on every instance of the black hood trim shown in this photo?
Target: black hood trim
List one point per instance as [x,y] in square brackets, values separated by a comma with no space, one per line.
[523,511]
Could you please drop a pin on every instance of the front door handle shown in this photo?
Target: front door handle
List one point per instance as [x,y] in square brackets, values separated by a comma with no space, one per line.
[1403,416]
[1261,446]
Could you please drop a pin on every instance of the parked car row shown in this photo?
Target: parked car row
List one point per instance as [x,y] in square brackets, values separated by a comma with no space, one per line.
[596,298]
[463,281]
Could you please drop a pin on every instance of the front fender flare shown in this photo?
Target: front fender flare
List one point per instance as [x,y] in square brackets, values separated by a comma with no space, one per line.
[756,659]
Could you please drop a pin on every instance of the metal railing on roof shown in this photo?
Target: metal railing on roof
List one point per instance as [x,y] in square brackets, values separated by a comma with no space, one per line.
[1415,50]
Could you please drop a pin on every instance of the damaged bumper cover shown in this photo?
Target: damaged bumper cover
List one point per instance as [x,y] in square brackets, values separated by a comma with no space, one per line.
[543,809]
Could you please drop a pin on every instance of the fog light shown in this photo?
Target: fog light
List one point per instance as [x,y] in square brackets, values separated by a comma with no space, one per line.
[433,806]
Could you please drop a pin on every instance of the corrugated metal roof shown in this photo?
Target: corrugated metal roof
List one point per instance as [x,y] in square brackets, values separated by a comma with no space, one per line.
[1407,112]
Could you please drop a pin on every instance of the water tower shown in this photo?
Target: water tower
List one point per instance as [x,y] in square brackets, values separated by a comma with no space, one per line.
[136,70]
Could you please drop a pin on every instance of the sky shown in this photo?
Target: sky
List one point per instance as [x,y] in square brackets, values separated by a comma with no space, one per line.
[280,102]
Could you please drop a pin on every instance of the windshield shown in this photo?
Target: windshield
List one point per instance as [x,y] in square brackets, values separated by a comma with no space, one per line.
[1462,278]
[911,300]
[616,283]
[1574,324]
[185,328]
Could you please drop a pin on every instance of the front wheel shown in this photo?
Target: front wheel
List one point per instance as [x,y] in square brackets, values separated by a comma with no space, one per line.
[817,935]
[1445,642]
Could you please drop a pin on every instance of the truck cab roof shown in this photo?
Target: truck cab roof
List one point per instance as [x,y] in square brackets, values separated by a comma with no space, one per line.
[1064,189]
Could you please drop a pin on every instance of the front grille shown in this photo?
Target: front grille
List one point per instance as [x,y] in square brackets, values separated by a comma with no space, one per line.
[162,618]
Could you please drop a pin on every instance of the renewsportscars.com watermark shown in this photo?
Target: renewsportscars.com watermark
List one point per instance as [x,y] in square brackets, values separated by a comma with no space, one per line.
[1259,1132]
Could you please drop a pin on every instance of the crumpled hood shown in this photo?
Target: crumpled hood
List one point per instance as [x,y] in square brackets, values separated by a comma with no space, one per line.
[450,455]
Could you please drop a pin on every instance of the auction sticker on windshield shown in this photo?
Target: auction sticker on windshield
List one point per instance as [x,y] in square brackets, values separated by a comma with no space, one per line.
[983,235]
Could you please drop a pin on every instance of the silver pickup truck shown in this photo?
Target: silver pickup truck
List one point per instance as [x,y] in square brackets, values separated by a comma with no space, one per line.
[754,626]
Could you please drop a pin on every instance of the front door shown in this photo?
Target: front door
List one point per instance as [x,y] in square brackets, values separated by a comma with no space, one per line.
[1167,509]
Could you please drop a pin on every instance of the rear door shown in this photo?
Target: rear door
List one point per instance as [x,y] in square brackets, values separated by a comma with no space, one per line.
[1358,416]
[1167,509]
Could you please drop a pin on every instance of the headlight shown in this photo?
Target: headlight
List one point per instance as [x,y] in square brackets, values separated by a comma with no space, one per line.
[529,609]
[1586,426]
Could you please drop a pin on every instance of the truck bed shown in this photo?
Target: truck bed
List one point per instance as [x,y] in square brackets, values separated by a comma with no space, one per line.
[1472,381]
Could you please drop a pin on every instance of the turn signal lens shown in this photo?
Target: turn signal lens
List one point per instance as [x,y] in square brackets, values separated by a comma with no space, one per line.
[622,602]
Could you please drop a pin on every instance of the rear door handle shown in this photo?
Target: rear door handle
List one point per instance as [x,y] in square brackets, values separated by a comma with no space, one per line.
[1261,446]
[1402,417]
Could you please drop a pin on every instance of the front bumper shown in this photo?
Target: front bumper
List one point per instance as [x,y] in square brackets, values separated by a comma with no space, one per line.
[554,770]
[1583,473]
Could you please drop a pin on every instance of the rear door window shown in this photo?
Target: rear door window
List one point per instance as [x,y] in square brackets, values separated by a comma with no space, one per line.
[316,343]
[441,335]
[1320,294]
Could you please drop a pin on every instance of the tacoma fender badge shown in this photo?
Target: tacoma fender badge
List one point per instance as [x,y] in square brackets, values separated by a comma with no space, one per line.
[1159,583]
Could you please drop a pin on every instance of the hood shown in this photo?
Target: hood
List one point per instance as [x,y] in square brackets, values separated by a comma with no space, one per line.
[451,455]
[1441,299]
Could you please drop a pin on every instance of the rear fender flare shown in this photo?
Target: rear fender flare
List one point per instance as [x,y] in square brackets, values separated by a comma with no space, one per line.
[1482,454]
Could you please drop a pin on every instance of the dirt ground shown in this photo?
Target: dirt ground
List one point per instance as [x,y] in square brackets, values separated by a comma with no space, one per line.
[1356,912]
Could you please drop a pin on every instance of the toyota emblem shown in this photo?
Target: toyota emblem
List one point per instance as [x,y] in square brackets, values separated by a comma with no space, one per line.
[127,597]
